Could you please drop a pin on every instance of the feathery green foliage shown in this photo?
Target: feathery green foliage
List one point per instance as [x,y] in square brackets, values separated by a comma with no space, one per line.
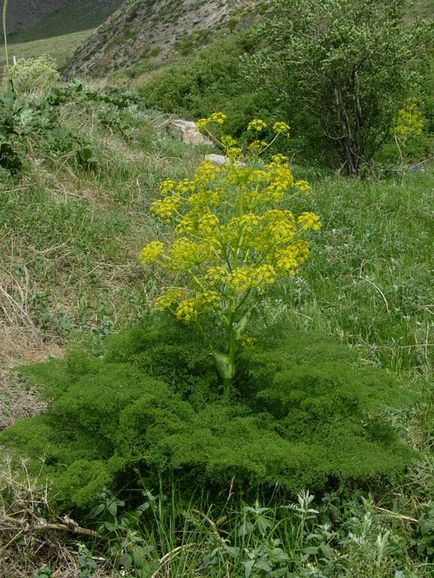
[307,412]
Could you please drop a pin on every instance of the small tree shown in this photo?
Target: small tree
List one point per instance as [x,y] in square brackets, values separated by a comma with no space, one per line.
[342,68]
[234,237]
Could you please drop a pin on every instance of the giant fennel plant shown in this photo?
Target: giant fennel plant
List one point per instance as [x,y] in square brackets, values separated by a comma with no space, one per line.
[234,237]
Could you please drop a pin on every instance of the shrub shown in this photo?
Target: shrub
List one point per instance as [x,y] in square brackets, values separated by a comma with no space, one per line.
[343,68]
[17,122]
[211,80]
[32,76]
[307,413]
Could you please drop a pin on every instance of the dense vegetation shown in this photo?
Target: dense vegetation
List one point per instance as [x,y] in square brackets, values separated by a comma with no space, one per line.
[327,71]
[130,446]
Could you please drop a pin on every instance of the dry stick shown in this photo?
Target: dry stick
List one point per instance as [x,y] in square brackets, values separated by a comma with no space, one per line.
[72,528]
[396,515]
[367,280]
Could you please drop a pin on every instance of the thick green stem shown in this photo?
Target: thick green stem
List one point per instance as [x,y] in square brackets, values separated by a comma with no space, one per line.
[227,385]
[225,362]
[5,32]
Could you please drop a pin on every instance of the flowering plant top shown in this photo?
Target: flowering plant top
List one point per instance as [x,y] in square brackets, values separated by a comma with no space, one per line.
[234,236]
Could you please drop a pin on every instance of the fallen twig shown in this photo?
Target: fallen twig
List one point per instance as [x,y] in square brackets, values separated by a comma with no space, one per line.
[396,515]
[73,528]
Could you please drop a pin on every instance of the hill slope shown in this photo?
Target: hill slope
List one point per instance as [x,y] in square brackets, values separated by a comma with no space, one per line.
[149,28]
[35,19]
[144,30]
[61,48]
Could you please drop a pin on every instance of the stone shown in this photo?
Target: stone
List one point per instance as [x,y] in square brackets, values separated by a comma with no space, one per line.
[218,160]
[186,132]
[221,160]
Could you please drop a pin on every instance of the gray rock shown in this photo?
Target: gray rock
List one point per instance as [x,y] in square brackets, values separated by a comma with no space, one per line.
[221,160]
[186,132]
[218,160]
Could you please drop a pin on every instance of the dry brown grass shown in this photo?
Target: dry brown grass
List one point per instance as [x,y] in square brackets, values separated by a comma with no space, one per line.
[31,536]
[21,345]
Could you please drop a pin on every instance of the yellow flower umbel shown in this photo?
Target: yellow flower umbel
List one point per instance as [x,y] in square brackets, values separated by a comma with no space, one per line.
[409,121]
[151,252]
[215,118]
[408,124]
[233,237]
[257,125]
[281,128]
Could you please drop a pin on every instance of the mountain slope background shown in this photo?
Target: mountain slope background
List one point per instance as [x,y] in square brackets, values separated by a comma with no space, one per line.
[132,34]
[155,29]
[35,19]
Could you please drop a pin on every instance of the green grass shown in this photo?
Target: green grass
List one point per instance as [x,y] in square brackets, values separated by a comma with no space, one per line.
[79,232]
[370,279]
[59,47]
[424,8]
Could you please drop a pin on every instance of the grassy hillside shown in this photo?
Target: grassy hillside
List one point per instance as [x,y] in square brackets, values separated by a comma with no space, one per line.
[131,443]
[61,48]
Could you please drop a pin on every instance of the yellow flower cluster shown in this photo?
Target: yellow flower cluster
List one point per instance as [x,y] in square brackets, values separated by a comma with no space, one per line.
[257,145]
[247,341]
[257,125]
[218,118]
[168,298]
[167,187]
[151,252]
[185,253]
[165,208]
[215,118]
[281,128]
[228,141]
[215,274]
[246,278]
[309,221]
[409,122]
[188,309]
[290,258]
[278,160]
[233,234]
[303,186]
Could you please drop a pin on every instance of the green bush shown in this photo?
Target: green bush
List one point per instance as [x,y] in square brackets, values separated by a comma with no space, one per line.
[11,114]
[212,79]
[344,68]
[307,413]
